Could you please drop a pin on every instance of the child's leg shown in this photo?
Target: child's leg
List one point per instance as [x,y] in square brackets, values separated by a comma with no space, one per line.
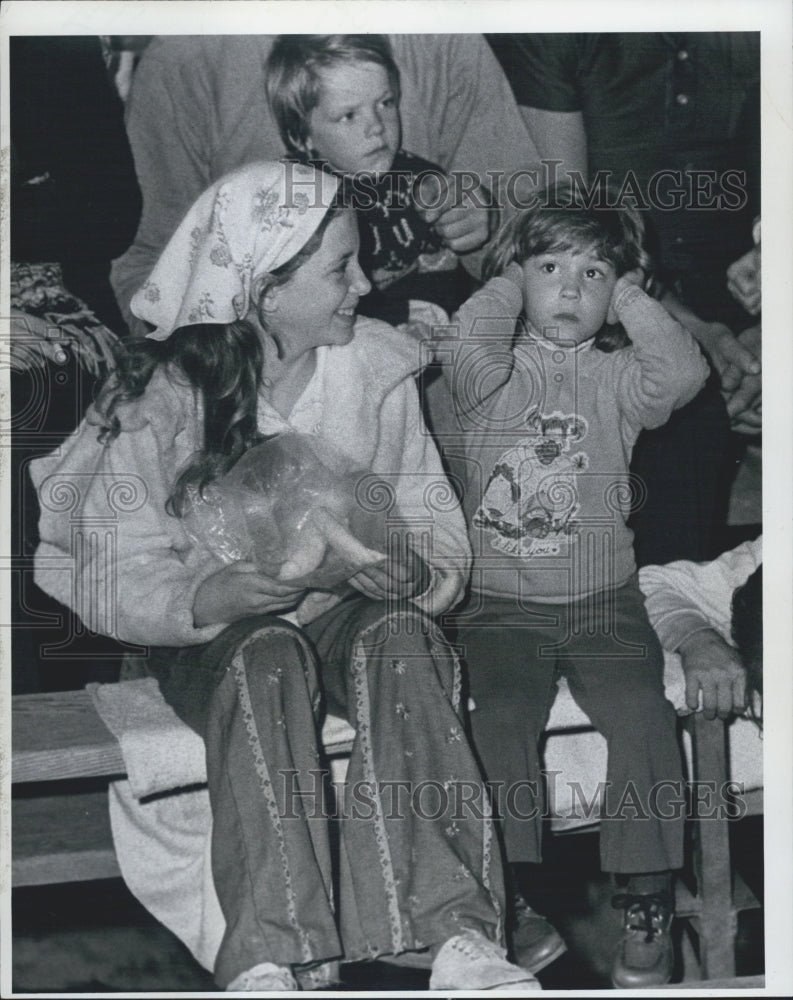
[512,688]
[615,669]
[250,693]
[418,859]
[614,665]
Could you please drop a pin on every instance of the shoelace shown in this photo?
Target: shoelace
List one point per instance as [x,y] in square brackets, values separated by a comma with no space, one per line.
[473,948]
[519,905]
[653,907]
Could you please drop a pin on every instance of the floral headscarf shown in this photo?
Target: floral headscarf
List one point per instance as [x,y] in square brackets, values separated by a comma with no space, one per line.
[248,223]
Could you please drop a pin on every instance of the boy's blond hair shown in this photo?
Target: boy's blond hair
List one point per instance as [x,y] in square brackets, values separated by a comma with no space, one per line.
[293,82]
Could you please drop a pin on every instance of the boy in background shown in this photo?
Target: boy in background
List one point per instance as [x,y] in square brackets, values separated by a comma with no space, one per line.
[336,101]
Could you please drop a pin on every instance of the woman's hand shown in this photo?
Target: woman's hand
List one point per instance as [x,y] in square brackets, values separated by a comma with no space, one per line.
[240,590]
[402,574]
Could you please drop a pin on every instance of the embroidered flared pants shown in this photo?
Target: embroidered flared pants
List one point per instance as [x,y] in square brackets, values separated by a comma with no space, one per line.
[417,861]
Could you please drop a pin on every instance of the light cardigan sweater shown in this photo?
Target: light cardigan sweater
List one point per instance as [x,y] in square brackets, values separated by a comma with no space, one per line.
[110,551]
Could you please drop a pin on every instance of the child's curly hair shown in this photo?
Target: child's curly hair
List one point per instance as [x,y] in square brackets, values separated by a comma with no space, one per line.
[563,219]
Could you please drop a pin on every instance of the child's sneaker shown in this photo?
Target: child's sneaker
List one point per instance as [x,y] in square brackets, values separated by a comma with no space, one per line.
[264,978]
[468,961]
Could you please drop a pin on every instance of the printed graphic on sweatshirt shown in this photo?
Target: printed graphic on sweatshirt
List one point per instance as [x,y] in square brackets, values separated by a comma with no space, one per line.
[531,497]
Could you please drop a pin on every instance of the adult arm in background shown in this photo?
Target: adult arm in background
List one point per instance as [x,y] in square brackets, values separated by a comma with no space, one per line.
[689,606]
[459,111]
[196,110]
[744,403]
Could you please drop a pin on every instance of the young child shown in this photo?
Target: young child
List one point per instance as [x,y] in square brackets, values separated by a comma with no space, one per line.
[336,101]
[554,368]
[254,334]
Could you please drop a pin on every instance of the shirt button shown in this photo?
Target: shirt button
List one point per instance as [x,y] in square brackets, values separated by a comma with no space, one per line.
[682,99]
[682,55]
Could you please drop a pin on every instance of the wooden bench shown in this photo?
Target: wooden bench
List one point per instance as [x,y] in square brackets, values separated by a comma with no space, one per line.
[63,755]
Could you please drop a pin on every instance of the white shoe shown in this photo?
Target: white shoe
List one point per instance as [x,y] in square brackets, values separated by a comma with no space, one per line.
[264,978]
[468,961]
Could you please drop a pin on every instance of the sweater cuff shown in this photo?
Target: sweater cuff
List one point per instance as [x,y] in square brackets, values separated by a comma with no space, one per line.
[628,297]
[510,284]
[674,628]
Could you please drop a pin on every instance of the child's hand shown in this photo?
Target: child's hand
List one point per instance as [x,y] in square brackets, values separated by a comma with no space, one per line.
[635,277]
[240,590]
[464,224]
[401,575]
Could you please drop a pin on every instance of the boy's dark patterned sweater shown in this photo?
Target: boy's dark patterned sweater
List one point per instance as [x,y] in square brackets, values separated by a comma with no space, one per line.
[401,254]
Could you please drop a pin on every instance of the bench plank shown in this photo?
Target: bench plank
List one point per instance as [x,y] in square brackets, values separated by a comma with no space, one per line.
[61,838]
[59,735]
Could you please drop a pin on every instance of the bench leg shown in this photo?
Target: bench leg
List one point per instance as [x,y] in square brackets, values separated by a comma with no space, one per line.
[717,918]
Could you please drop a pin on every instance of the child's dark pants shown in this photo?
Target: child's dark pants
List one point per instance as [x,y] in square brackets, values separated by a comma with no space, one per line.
[607,649]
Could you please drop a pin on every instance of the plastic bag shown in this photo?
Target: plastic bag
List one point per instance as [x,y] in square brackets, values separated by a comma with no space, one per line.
[289,506]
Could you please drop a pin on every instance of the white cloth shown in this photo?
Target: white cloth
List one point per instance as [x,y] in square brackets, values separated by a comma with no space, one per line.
[160,752]
[246,224]
[685,597]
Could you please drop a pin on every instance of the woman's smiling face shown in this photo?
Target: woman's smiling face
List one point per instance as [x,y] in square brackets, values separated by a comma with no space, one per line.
[316,306]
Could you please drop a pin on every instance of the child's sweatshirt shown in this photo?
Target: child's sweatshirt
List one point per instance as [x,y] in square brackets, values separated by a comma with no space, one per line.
[545,431]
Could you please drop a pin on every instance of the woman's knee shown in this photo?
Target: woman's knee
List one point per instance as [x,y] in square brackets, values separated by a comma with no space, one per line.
[407,629]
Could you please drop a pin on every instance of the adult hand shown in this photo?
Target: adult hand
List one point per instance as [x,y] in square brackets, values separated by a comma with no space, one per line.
[744,402]
[34,341]
[463,219]
[403,574]
[744,281]
[240,590]
[713,667]
[731,359]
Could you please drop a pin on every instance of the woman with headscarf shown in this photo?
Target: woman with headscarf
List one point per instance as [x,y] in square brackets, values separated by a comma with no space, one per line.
[252,305]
